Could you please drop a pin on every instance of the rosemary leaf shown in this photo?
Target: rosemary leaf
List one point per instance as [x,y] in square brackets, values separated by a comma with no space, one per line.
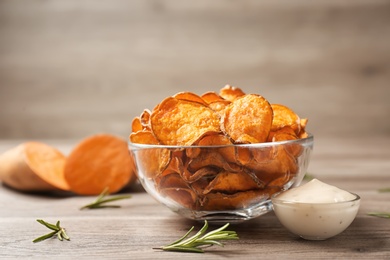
[48,225]
[380,214]
[194,243]
[58,231]
[44,237]
[64,235]
[101,200]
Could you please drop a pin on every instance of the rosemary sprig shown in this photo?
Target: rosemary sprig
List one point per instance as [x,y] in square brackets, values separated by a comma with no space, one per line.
[380,214]
[200,239]
[101,199]
[384,190]
[57,231]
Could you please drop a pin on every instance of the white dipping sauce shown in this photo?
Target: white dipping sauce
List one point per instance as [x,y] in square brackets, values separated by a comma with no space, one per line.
[316,210]
[316,191]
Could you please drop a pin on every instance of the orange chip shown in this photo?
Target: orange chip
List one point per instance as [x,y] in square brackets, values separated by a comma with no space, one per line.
[284,116]
[282,134]
[248,119]
[231,182]
[205,172]
[175,188]
[302,133]
[238,200]
[211,96]
[182,122]
[212,158]
[189,96]
[143,137]
[218,139]
[219,106]
[231,93]
[145,119]
[136,124]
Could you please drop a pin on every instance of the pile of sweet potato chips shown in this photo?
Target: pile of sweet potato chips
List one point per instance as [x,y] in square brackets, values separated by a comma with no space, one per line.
[204,163]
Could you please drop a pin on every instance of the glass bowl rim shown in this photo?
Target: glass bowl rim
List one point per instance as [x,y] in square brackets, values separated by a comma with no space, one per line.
[307,140]
[275,200]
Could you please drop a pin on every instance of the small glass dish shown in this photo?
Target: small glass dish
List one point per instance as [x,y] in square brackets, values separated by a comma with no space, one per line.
[316,221]
[224,183]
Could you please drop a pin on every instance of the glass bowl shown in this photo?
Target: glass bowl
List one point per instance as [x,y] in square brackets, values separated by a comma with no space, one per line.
[227,183]
[316,221]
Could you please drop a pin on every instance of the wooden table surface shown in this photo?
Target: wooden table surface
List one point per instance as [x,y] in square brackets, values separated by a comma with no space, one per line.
[132,231]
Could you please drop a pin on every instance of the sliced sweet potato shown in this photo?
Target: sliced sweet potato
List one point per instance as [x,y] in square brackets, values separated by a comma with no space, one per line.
[248,119]
[98,162]
[232,182]
[231,93]
[136,124]
[189,96]
[33,166]
[211,96]
[284,116]
[182,122]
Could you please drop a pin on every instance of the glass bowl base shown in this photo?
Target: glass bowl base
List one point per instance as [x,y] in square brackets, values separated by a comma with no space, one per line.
[228,216]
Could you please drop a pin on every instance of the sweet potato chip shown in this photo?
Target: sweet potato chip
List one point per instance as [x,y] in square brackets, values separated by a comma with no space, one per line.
[212,158]
[219,106]
[182,122]
[143,137]
[231,182]
[284,116]
[238,200]
[145,119]
[136,125]
[211,96]
[248,119]
[205,172]
[189,96]
[152,161]
[231,93]
[218,139]
[302,133]
[173,187]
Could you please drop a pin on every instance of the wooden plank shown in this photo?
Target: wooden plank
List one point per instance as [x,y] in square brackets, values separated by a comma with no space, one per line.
[141,224]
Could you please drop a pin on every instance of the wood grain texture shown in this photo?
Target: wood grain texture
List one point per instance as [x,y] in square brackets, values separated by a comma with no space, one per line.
[132,231]
[72,68]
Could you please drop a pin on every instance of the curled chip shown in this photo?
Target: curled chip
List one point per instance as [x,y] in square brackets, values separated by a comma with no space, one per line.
[248,119]
[206,152]
[231,93]
[189,96]
[182,122]
[284,116]
[210,97]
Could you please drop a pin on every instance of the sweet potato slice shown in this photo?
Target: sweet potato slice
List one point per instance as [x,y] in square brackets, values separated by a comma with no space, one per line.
[248,119]
[232,182]
[143,137]
[231,93]
[136,124]
[211,96]
[238,200]
[98,162]
[219,106]
[33,166]
[174,187]
[182,122]
[284,116]
[189,96]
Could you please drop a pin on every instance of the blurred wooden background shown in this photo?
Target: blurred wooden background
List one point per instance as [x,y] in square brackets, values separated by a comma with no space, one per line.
[73,68]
